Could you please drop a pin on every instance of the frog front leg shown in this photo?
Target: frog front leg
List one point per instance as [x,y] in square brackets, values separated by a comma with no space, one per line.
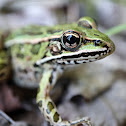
[47,106]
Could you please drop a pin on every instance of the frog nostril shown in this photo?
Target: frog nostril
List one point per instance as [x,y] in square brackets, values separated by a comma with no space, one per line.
[96,34]
[97,42]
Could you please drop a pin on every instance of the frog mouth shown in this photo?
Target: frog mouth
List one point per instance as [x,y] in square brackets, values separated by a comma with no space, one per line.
[83,57]
[78,57]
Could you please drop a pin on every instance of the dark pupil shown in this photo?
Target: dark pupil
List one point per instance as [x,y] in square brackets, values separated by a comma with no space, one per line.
[71,39]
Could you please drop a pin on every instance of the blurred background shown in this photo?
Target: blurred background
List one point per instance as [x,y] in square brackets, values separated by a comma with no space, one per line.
[98,89]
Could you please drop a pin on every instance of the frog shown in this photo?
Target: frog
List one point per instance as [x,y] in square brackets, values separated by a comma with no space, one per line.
[41,54]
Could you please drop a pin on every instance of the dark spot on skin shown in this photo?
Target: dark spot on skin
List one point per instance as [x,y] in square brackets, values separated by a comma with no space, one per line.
[25,71]
[96,34]
[35,49]
[36,73]
[29,33]
[54,69]
[51,31]
[55,39]
[22,70]
[50,107]
[20,46]
[47,117]
[55,53]
[35,65]
[106,46]
[56,117]
[20,55]
[34,33]
[62,68]
[40,103]
[84,33]
[68,61]
[44,56]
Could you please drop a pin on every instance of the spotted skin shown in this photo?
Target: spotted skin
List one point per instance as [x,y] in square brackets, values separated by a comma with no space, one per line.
[46,104]
[39,55]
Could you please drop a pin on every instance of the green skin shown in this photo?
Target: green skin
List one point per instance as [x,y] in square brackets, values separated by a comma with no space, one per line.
[40,54]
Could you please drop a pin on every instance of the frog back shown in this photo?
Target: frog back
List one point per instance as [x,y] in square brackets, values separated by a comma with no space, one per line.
[24,55]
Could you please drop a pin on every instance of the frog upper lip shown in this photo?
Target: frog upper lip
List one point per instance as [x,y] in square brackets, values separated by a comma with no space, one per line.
[83,57]
[85,54]
[82,54]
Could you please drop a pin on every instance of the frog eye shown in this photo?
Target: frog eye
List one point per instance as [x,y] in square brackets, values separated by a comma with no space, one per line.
[71,40]
[87,22]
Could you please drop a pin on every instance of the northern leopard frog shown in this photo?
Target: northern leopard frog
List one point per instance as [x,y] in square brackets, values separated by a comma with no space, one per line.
[39,54]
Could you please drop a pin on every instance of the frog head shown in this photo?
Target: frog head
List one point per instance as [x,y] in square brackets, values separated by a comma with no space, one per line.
[79,43]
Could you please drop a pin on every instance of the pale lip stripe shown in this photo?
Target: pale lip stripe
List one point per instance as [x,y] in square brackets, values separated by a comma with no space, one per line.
[41,61]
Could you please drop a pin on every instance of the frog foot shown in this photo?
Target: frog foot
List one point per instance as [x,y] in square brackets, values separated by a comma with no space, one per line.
[79,122]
